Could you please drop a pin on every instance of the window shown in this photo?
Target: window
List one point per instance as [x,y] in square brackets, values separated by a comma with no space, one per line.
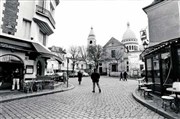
[127,68]
[52,9]
[81,66]
[26,28]
[149,69]
[114,67]
[90,42]
[42,38]
[113,53]
[156,68]
[165,58]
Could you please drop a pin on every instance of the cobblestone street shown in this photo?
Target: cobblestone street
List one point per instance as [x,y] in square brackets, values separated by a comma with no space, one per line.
[115,102]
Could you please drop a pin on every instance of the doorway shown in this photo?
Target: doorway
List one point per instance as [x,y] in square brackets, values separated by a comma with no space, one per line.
[8,63]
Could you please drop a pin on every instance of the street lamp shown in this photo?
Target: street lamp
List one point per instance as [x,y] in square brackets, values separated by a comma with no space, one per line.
[67,70]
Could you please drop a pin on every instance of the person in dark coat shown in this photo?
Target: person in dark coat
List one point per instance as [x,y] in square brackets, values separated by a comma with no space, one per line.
[95,76]
[121,76]
[79,77]
[16,79]
[125,76]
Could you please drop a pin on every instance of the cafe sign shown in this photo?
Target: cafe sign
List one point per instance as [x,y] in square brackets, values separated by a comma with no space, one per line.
[9,46]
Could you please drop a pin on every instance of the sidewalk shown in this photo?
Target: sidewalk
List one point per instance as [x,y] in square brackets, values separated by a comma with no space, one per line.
[155,104]
[8,95]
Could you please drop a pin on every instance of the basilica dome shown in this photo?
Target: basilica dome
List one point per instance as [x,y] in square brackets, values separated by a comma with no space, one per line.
[129,39]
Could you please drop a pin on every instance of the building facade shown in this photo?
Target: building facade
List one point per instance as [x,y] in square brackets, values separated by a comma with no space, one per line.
[54,65]
[115,58]
[135,64]
[162,57]
[24,30]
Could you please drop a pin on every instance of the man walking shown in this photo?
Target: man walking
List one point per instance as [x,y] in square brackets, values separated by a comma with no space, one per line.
[95,76]
[79,77]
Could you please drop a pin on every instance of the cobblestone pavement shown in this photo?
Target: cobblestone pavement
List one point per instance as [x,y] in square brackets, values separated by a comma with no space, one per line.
[114,102]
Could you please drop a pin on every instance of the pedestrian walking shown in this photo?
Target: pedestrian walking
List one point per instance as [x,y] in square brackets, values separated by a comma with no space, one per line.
[125,76]
[79,77]
[121,76]
[16,78]
[95,76]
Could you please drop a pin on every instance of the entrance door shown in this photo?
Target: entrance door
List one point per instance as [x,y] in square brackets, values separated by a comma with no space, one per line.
[8,63]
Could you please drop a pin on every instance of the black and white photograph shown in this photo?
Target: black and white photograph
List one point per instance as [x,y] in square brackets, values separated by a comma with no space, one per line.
[89,59]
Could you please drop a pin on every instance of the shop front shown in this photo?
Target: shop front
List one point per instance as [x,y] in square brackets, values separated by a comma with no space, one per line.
[8,64]
[29,57]
[162,62]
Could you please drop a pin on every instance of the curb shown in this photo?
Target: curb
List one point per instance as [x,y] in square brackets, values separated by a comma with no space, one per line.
[30,95]
[151,107]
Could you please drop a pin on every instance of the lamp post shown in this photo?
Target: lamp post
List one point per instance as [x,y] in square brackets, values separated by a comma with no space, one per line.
[67,71]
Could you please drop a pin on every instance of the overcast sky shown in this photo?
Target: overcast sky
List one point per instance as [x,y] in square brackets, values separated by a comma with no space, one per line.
[74,19]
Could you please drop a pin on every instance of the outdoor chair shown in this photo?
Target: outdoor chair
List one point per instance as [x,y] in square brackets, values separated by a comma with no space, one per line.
[176,85]
[147,92]
[28,87]
[170,98]
[167,100]
[38,85]
[140,83]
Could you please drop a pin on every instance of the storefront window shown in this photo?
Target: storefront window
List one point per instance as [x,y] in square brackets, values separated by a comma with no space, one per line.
[165,58]
[179,62]
[149,70]
[156,71]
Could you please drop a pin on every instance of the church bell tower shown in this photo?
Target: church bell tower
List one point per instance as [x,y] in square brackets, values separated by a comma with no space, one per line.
[91,41]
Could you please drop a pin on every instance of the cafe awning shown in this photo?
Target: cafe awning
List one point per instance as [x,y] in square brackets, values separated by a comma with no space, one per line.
[45,52]
[158,46]
[14,43]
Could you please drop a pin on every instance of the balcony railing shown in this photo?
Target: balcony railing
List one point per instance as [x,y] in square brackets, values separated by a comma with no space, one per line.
[46,13]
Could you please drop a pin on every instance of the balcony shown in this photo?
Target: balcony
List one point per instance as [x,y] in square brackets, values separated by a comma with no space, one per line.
[46,13]
[44,19]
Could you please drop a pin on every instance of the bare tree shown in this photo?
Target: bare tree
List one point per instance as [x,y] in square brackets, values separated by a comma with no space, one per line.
[94,54]
[74,55]
[83,54]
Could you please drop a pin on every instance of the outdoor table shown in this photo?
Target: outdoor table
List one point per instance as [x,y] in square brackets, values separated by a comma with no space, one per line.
[173,90]
[148,83]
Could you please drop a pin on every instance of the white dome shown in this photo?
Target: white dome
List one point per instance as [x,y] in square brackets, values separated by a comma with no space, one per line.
[129,40]
[129,34]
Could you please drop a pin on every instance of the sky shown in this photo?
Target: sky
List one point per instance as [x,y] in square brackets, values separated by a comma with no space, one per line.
[74,19]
